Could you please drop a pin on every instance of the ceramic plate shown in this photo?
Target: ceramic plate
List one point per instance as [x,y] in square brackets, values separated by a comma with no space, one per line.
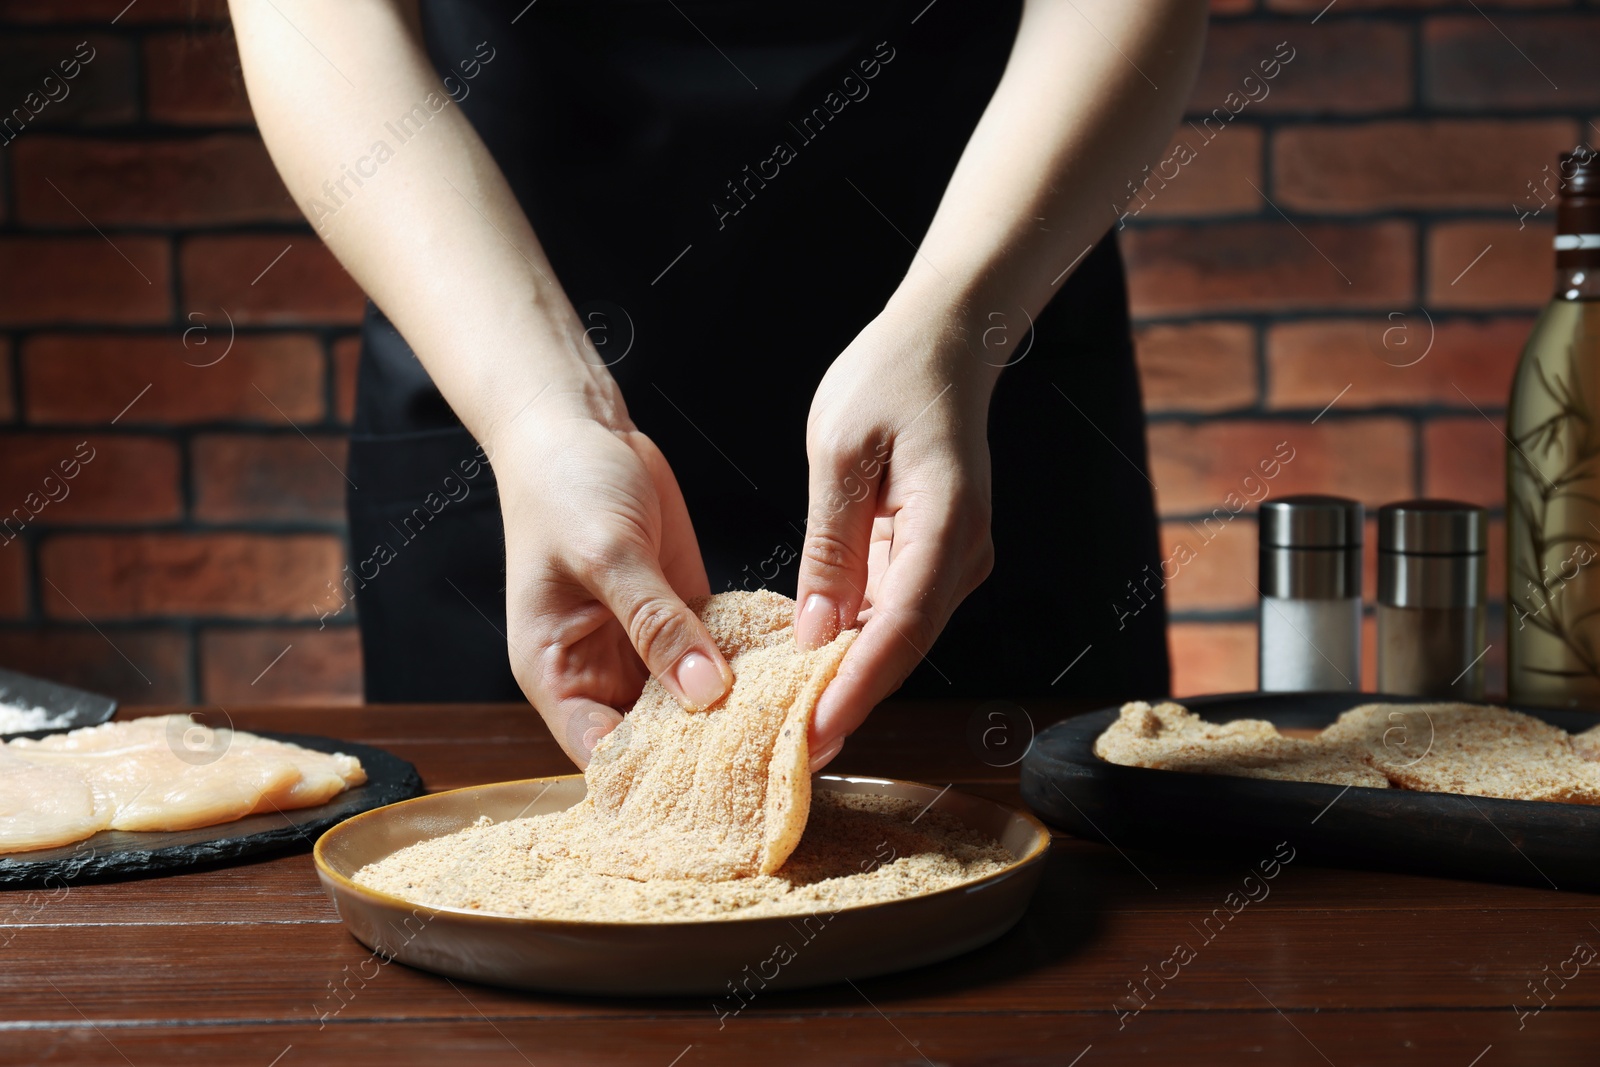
[669,958]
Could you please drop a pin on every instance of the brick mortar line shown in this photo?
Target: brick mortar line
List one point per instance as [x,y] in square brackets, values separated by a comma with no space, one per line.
[175,282]
[1297,414]
[1256,316]
[171,429]
[1416,112]
[1494,606]
[32,598]
[257,527]
[1376,311]
[1353,219]
[1392,14]
[172,231]
[191,664]
[1419,456]
[327,340]
[188,485]
[130,30]
[139,130]
[341,330]
[173,624]
[1496,512]
[1419,69]
[1190,417]
[141,76]
[8,180]
[14,368]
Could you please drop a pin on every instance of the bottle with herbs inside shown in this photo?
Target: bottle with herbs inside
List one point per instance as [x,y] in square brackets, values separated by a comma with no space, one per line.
[1553,468]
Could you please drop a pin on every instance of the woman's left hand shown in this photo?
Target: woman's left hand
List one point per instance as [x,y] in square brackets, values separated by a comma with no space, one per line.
[897,533]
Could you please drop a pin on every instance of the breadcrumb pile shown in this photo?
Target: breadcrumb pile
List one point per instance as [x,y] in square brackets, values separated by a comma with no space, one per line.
[691,815]
[857,849]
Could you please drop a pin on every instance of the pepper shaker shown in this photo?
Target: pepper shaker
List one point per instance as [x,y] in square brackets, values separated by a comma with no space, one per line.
[1432,609]
[1310,594]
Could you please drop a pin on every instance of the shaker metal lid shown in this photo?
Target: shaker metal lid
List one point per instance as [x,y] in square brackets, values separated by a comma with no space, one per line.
[1311,521]
[1433,527]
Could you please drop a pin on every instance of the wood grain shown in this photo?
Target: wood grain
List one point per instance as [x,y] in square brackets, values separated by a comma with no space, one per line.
[241,964]
[857,1038]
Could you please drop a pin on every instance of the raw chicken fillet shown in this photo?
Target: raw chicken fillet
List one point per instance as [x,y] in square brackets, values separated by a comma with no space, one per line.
[164,772]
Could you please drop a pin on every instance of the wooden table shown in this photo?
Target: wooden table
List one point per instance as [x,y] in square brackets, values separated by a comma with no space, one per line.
[234,965]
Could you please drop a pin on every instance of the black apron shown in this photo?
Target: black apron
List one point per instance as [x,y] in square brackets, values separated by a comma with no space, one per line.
[726,217]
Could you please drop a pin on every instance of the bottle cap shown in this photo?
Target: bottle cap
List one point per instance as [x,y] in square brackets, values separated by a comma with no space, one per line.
[1433,528]
[1311,521]
[1580,171]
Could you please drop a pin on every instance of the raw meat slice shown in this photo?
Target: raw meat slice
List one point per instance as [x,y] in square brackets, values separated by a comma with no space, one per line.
[168,772]
[323,776]
[148,787]
[107,737]
[45,806]
[715,794]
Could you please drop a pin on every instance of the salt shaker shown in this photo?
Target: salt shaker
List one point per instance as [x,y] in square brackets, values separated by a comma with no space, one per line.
[1310,594]
[1432,608]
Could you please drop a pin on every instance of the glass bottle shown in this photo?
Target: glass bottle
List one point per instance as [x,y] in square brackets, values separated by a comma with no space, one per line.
[1553,469]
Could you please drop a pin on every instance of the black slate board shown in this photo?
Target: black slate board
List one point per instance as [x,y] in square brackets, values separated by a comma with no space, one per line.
[1515,841]
[77,707]
[114,854]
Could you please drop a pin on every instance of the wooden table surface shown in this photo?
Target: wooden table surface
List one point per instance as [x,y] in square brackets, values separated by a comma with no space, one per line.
[234,965]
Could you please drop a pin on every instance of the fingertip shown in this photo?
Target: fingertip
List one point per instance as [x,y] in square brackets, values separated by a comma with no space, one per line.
[824,755]
[586,729]
[817,622]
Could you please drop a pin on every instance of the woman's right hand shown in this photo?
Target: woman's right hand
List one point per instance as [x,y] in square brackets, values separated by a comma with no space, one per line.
[600,556]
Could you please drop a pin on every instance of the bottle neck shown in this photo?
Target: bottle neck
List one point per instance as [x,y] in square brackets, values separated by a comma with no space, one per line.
[1577,247]
[1577,283]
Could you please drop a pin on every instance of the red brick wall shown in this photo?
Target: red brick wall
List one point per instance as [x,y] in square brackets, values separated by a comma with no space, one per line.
[186,557]
[1299,258]
[139,215]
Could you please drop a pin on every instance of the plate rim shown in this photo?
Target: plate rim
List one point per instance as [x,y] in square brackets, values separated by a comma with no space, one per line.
[333,880]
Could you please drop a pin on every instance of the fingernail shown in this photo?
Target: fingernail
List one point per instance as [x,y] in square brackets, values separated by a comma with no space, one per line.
[701,684]
[818,622]
[826,753]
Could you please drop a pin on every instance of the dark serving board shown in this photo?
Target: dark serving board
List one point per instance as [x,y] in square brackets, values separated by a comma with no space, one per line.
[113,854]
[78,706]
[1516,841]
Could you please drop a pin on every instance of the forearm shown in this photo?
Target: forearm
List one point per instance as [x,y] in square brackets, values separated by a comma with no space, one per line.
[1075,116]
[431,231]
